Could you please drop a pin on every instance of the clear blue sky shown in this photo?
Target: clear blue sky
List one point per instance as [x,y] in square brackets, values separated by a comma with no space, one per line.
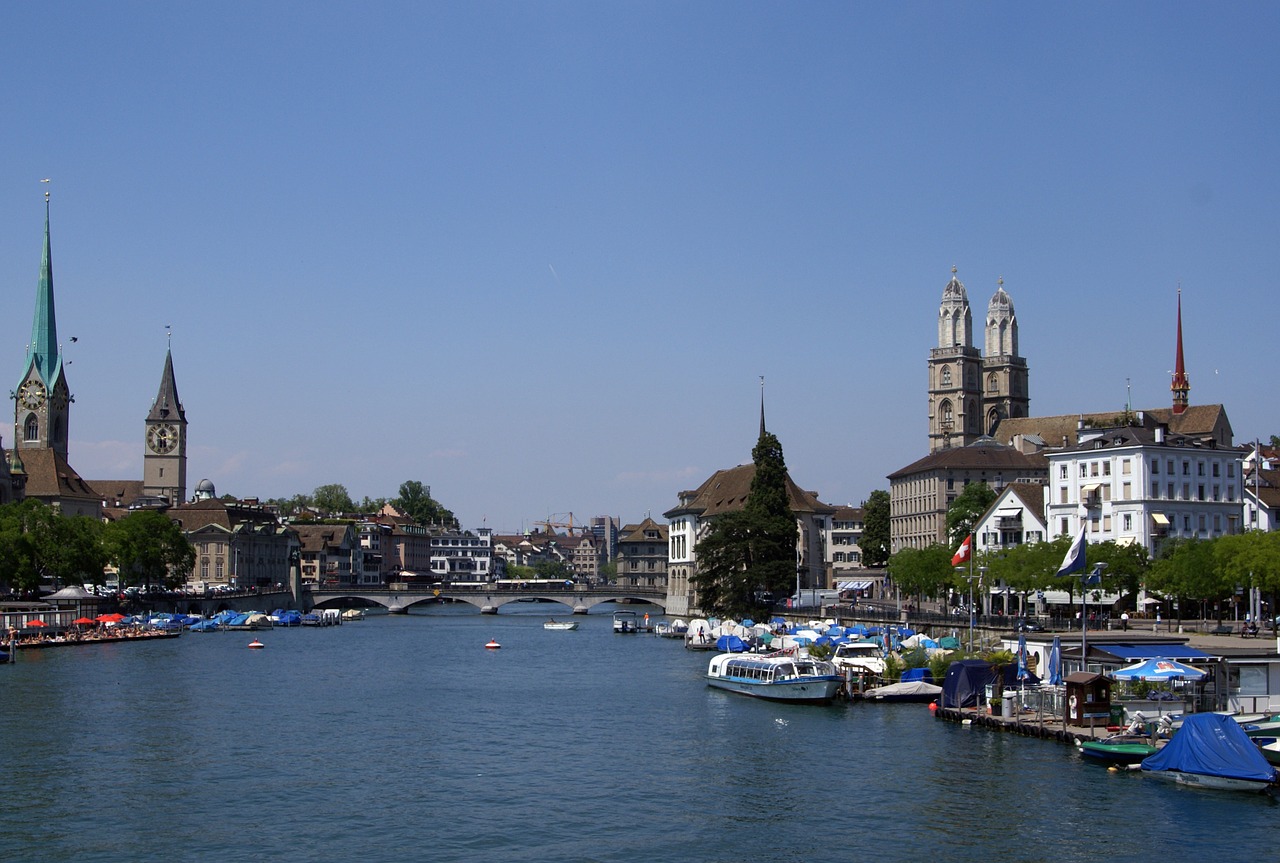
[537,255]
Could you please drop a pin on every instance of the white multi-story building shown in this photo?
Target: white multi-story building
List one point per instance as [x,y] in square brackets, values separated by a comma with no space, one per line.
[1016,517]
[462,556]
[1136,485]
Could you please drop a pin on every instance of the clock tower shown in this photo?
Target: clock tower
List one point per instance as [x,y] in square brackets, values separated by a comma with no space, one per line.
[164,459]
[42,399]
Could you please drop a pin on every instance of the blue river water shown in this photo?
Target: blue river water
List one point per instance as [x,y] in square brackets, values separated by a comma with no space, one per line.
[403,738]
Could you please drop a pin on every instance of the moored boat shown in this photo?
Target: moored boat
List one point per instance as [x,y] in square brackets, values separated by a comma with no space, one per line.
[1211,751]
[625,621]
[562,625]
[917,691]
[1118,749]
[775,677]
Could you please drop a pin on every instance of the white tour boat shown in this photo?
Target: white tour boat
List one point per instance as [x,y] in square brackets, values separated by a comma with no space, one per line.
[797,679]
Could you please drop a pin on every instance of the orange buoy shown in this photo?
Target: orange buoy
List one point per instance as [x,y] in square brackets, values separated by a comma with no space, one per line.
[256,645]
[493,644]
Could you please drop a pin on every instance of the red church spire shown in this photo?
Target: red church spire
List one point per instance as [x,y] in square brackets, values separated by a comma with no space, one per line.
[1180,386]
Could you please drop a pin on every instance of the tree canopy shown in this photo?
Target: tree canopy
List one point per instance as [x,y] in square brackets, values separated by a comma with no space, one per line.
[147,548]
[750,554]
[416,500]
[875,529]
[37,545]
[964,512]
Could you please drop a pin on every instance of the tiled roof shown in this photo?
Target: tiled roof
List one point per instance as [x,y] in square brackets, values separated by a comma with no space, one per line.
[117,492]
[50,477]
[727,491]
[1196,421]
[637,532]
[985,454]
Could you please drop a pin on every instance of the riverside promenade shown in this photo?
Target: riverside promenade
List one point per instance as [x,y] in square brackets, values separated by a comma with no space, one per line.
[1040,716]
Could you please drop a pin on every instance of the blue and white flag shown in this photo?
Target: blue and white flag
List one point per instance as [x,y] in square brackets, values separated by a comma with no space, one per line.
[1074,561]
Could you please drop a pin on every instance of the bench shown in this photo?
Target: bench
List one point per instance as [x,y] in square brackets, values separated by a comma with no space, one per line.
[1223,629]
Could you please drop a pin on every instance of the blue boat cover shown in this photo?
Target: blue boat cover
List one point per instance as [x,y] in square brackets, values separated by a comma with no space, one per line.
[922,674]
[966,681]
[731,644]
[1213,745]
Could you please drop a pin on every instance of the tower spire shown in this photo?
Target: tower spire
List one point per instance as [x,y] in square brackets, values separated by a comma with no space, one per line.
[43,350]
[762,406]
[1181,386]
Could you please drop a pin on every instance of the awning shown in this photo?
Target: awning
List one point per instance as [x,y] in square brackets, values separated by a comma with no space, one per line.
[1009,512]
[1160,519]
[1086,490]
[853,585]
[1126,540]
[1131,652]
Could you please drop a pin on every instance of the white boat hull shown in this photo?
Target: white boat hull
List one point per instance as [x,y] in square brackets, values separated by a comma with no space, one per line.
[1205,780]
[814,690]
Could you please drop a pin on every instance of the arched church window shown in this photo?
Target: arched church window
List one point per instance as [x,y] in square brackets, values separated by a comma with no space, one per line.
[993,385]
[946,414]
[31,430]
[946,376]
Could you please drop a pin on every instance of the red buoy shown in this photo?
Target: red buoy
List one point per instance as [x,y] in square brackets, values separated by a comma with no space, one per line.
[493,644]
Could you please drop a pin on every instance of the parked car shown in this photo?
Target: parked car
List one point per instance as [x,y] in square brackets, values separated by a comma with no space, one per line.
[1029,625]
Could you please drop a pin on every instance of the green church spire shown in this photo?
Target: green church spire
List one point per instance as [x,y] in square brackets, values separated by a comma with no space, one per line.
[43,352]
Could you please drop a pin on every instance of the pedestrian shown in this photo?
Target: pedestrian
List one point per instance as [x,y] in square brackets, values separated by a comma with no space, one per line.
[1124,620]
[1157,629]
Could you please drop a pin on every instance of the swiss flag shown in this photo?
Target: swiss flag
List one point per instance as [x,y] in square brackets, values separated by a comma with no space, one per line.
[963,552]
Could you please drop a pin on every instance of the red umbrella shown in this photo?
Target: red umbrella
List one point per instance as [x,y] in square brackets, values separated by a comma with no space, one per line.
[36,623]
[85,621]
[113,617]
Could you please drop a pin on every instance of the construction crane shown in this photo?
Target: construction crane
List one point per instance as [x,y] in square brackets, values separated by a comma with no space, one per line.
[552,522]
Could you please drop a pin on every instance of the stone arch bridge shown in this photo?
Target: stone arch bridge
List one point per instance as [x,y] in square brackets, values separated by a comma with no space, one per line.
[488,598]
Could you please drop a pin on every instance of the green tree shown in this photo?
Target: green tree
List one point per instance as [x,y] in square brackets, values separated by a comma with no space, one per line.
[875,529]
[332,499]
[37,545]
[1126,567]
[148,548]
[1186,570]
[964,512]
[552,569]
[922,572]
[750,553]
[416,500]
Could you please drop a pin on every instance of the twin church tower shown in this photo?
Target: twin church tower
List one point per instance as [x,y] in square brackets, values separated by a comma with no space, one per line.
[971,391]
[42,412]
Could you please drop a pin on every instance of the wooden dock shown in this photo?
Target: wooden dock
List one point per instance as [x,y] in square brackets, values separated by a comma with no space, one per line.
[1027,723]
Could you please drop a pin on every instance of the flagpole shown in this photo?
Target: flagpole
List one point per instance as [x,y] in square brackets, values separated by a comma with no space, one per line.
[969,539]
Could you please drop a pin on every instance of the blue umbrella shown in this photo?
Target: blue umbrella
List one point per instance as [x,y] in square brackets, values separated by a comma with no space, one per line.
[1055,663]
[1023,674]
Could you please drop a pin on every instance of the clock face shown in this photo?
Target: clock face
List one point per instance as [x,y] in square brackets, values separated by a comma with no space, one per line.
[31,395]
[162,438]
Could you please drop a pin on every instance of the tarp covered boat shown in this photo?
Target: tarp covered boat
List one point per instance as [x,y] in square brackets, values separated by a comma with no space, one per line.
[1212,751]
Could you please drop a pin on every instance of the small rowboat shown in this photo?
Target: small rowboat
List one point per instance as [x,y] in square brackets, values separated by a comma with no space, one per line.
[566,625]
